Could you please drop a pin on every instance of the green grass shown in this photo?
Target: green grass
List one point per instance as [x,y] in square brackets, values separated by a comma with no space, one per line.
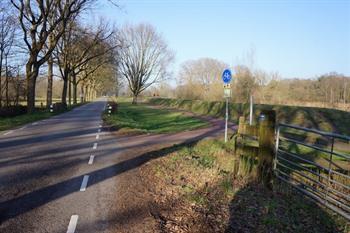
[330,120]
[149,120]
[12,122]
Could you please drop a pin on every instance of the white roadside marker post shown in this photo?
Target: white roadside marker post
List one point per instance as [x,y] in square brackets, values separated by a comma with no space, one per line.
[251,110]
[109,110]
[51,108]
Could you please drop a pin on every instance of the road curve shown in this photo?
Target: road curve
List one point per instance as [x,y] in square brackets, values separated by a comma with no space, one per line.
[68,174]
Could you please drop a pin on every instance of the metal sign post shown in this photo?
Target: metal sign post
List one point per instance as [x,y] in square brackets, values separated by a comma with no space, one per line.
[226,77]
[251,110]
[226,120]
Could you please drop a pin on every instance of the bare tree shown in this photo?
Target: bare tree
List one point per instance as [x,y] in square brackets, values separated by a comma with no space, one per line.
[7,37]
[201,79]
[80,52]
[39,19]
[49,75]
[144,57]
[245,83]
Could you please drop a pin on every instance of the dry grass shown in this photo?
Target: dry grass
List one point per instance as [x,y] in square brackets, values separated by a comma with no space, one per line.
[197,189]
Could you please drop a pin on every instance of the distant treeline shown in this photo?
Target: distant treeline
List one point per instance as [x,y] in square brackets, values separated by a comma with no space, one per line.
[329,90]
[201,80]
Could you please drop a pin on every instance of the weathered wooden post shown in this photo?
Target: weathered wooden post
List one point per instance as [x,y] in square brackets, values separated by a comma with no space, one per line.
[267,122]
[241,122]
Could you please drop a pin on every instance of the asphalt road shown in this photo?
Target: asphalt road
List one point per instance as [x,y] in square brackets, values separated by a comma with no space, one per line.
[42,168]
[69,174]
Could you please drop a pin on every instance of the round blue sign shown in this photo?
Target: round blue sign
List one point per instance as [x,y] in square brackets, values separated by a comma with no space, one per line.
[226,76]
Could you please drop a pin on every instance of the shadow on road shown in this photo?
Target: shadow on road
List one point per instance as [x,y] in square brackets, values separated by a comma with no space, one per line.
[22,204]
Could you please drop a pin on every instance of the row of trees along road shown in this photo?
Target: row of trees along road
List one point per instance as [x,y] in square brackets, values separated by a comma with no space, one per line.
[43,23]
[7,38]
[46,38]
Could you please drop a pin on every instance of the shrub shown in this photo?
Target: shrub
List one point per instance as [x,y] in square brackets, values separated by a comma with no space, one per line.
[59,107]
[12,111]
[114,106]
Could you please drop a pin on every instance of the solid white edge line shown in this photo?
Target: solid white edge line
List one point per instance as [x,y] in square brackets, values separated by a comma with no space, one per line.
[72,223]
[91,160]
[94,146]
[84,183]
[9,132]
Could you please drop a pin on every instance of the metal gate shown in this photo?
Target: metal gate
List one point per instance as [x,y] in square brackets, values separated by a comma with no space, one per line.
[317,163]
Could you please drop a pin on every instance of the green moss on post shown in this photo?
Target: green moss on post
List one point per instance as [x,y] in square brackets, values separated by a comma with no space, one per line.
[267,124]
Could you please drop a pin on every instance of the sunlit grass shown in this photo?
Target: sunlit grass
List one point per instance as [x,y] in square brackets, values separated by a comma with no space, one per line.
[150,120]
[12,122]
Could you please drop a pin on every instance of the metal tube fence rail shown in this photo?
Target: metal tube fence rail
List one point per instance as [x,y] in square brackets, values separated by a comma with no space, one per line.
[316,163]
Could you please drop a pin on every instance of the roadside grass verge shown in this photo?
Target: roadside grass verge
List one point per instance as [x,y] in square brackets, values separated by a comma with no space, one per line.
[197,189]
[11,122]
[143,119]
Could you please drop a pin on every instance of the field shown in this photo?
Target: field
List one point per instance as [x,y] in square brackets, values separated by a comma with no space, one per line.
[318,118]
[41,102]
[143,119]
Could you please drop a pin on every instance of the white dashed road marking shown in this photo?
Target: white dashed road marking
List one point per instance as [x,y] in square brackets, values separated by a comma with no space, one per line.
[84,183]
[97,136]
[91,160]
[22,128]
[35,123]
[99,130]
[95,146]
[72,224]
[9,132]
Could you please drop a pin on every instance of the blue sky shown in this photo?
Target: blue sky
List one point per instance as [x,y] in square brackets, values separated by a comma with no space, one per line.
[295,38]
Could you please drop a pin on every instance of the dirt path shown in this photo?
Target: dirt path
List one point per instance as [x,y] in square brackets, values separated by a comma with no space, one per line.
[134,203]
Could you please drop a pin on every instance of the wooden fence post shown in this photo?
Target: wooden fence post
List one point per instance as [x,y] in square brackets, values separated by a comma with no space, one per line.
[267,122]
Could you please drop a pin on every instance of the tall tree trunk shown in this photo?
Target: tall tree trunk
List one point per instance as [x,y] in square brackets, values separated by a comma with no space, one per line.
[17,89]
[30,93]
[86,96]
[69,91]
[134,99]
[49,75]
[75,86]
[32,72]
[1,60]
[82,95]
[6,83]
[64,91]
[49,82]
